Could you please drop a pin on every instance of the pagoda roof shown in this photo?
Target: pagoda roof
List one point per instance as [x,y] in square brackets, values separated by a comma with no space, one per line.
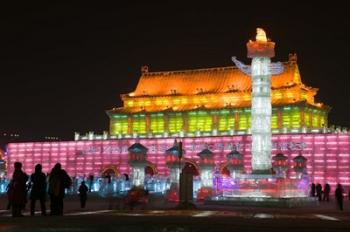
[138,148]
[300,158]
[206,81]
[280,156]
[234,154]
[174,150]
[205,153]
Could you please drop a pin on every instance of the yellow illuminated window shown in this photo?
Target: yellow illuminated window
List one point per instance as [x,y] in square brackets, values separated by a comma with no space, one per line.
[199,121]
[291,117]
[119,125]
[175,123]
[176,101]
[307,118]
[130,103]
[226,120]
[274,119]
[244,120]
[184,100]
[139,123]
[158,102]
[157,123]
[315,119]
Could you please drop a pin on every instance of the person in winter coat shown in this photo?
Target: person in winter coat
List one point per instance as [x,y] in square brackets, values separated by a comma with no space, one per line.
[339,196]
[38,189]
[319,191]
[83,189]
[17,191]
[326,192]
[58,182]
[313,190]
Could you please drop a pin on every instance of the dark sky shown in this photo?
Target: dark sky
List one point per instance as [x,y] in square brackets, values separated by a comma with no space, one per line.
[62,65]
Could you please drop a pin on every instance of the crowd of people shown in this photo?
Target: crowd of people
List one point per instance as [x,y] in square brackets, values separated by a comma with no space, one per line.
[54,184]
[323,193]
[57,181]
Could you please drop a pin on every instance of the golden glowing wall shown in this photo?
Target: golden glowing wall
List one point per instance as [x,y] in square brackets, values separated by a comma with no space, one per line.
[286,96]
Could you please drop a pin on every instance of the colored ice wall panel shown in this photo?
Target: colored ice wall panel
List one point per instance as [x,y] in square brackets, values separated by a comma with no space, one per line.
[289,117]
[157,123]
[120,124]
[139,123]
[199,121]
[328,154]
[175,123]
[226,120]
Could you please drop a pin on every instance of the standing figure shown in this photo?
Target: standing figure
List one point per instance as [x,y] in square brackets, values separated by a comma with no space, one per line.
[83,189]
[326,191]
[58,182]
[109,178]
[319,191]
[17,191]
[339,196]
[91,181]
[38,189]
[313,190]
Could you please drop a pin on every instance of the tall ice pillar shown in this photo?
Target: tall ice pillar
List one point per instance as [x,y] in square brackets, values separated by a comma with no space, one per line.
[261,69]
[261,51]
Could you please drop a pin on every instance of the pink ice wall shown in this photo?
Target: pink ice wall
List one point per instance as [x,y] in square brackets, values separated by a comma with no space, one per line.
[328,154]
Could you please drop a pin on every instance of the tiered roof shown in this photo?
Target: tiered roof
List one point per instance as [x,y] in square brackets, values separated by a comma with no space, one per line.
[207,81]
[211,88]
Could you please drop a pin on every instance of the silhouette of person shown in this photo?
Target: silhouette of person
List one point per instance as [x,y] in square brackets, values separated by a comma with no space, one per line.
[319,191]
[126,177]
[83,189]
[91,181]
[38,189]
[313,190]
[339,196]
[326,191]
[109,178]
[17,191]
[58,182]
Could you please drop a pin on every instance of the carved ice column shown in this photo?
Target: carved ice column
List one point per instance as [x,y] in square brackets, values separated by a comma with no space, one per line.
[138,162]
[207,165]
[260,71]
[174,163]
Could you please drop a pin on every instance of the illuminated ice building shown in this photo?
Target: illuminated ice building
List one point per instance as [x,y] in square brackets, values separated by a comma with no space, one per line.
[210,111]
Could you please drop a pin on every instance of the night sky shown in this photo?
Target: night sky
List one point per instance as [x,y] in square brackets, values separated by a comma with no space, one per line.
[62,66]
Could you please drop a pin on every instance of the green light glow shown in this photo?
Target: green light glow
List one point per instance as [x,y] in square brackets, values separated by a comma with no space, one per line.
[315,119]
[202,120]
[291,117]
[199,121]
[120,125]
[175,123]
[139,123]
[244,120]
[226,120]
[157,123]
[307,118]
[274,119]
